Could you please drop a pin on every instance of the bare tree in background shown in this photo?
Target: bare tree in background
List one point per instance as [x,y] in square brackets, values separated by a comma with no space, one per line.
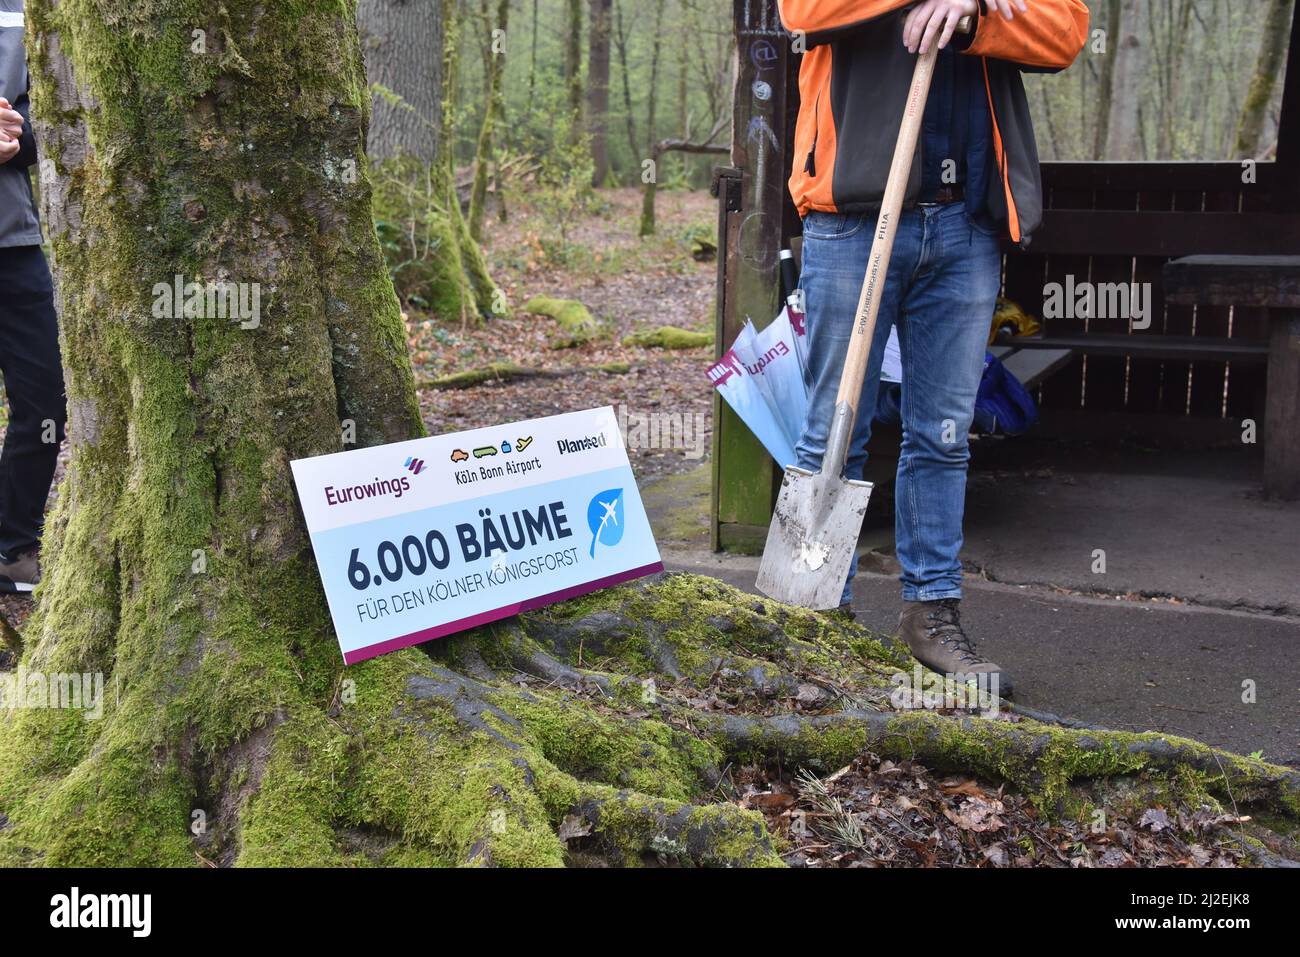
[1106,79]
[1128,47]
[1272,55]
[493,112]
[598,88]
[402,42]
[573,64]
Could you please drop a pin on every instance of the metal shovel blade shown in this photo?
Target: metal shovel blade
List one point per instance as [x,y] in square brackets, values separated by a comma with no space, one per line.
[812,537]
[815,527]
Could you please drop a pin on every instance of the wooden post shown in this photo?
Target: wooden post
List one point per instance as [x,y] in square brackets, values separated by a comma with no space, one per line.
[1282,411]
[1288,136]
[754,217]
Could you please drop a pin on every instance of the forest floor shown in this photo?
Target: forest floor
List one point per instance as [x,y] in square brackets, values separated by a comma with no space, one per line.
[880,813]
[627,283]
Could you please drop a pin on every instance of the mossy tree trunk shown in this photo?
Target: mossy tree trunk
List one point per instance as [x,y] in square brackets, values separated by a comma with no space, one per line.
[214,142]
[487,298]
[493,114]
[412,60]
[1269,67]
[573,65]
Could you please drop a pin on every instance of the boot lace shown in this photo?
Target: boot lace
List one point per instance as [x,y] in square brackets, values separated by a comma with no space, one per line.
[944,617]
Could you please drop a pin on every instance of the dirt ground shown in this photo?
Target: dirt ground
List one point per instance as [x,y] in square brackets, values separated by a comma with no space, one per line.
[625,281]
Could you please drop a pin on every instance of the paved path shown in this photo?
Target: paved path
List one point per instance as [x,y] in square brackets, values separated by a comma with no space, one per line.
[1132,665]
[1187,524]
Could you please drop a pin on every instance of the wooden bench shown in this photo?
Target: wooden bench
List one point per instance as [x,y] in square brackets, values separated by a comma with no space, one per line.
[1153,346]
[1271,283]
[1030,366]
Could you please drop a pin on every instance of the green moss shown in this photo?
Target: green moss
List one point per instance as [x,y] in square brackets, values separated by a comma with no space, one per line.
[432,260]
[287,821]
[614,368]
[678,505]
[466,797]
[493,372]
[645,755]
[669,337]
[715,835]
[1065,756]
[577,325]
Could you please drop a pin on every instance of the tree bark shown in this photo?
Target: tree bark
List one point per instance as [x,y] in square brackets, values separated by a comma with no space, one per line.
[532,66]
[176,561]
[1124,128]
[629,115]
[488,300]
[598,89]
[647,227]
[1106,83]
[402,40]
[178,569]
[1268,67]
[493,112]
[573,65]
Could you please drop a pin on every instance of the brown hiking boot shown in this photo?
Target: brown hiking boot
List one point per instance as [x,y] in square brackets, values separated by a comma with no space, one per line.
[21,574]
[933,632]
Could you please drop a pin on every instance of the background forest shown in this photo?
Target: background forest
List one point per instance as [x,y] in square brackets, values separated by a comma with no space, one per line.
[1170,79]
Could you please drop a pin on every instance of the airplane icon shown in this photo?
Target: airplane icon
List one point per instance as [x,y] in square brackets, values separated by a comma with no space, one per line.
[610,513]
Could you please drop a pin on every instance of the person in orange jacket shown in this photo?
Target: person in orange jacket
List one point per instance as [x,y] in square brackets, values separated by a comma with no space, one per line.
[975,185]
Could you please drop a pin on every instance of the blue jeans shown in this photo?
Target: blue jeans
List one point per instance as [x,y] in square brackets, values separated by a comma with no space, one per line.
[941,290]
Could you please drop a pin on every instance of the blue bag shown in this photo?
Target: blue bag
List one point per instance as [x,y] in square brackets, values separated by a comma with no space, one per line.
[1002,404]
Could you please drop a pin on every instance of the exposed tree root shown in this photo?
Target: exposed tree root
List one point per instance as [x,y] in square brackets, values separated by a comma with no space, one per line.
[1041,759]
[595,732]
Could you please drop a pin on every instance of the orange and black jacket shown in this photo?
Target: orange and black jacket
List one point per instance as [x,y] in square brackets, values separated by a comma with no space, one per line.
[853,85]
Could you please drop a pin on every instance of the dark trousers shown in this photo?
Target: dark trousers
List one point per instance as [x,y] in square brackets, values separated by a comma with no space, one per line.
[33,377]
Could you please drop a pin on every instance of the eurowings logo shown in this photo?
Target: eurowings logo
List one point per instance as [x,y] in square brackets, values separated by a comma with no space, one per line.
[414,466]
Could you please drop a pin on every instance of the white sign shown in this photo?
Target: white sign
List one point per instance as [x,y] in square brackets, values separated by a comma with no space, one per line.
[425,538]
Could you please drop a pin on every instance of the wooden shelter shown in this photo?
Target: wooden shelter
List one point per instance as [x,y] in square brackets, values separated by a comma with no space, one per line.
[1218,241]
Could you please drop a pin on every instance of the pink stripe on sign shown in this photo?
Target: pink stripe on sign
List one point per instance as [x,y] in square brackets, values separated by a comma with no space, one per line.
[496,614]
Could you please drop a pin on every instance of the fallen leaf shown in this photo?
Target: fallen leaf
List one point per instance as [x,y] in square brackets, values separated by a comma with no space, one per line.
[573,826]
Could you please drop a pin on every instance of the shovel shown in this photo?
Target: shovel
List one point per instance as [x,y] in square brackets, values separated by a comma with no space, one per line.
[818,515]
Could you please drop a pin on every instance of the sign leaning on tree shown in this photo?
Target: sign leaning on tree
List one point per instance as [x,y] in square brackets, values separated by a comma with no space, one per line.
[421,539]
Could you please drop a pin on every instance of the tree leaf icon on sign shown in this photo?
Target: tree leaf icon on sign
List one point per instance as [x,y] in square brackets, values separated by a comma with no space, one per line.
[605,518]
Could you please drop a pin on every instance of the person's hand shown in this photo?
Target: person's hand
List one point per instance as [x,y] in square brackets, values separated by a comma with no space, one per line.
[11,121]
[8,149]
[938,19]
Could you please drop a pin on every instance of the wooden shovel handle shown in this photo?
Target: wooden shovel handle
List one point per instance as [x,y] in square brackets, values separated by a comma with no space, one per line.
[873,286]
